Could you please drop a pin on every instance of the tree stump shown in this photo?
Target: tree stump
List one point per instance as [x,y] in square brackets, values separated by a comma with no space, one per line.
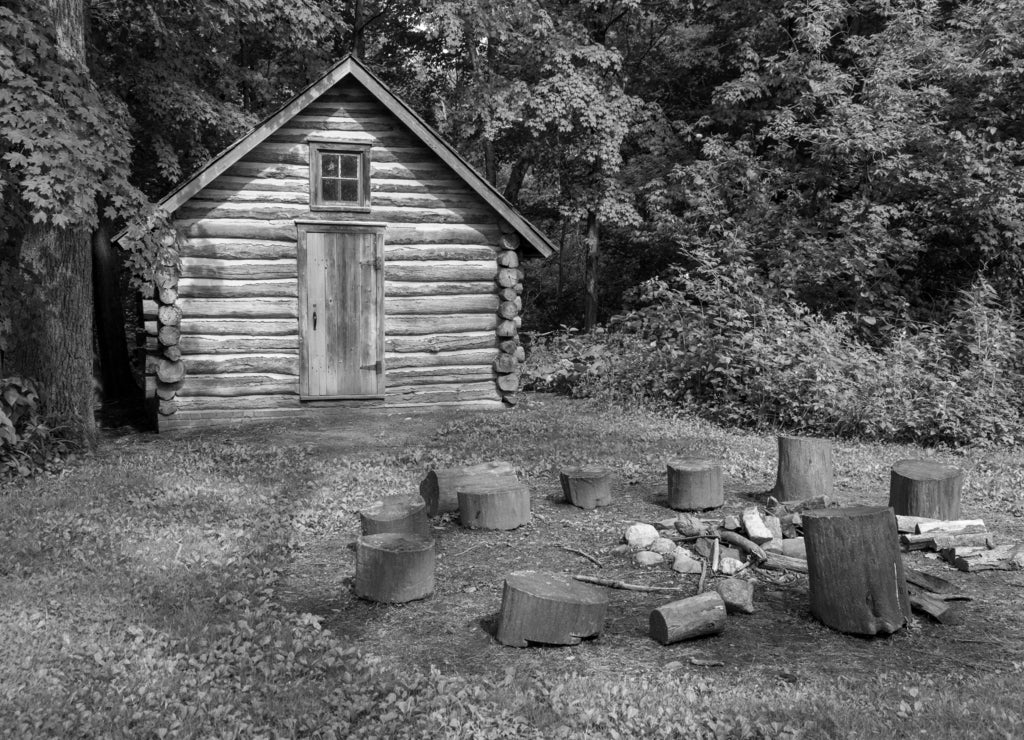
[549,608]
[925,488]
[695,616]
[403,514]
[394,568]
[587,487]
[805,469]
[495,508]
[857,584]
[439,488]
[694,484]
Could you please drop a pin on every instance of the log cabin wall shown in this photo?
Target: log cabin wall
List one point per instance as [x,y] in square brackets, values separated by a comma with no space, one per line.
[452,281]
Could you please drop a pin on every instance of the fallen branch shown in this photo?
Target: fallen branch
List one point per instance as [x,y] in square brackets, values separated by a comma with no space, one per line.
[589,557]
[703,576]
[743,543]
[782,562]
[609,583]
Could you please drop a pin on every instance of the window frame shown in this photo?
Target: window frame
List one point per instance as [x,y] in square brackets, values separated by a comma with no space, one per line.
[316,201]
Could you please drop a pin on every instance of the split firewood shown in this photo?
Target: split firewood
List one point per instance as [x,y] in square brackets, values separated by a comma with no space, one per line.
[623,586]
[755,526]
[959,526]
[818,502]
[714,556]
[783,562]
[703,614]
[909,524]
[971,560]
[934,541]
[938,610]
[927,581]
[733,538]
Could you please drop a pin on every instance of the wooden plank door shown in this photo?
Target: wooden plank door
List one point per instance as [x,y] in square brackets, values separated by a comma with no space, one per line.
[341,311]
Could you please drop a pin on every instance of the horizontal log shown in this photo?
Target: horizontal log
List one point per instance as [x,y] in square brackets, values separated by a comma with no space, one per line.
[236,343]
[433,170]
[396,360]
[428,394]
[239,403]
[441,304]
[209,209]
[404,185]
[298,154]
[237,269]
[297,195]
[150,309]
[428,200]
[439,271]
[324,106]
[908,524]
[438,375]
[232,183]
[346,121]
[239,249]
[405,288]
[238,385]
[284,230]
[440,342]
[296,135]
[248,169]
[429,324]
[220,288]
[440,252]
[958,526]
[236,229]
[221,364]
[405,395]
[262,308]
[236,326]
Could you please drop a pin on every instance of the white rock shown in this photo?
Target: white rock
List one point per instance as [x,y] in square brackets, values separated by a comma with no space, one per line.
[641,535]
[729,566]
[772,545]
[737,594]
[795,548]
[684,562]
[663,546]
[755,526]
[646,557]
[774,525]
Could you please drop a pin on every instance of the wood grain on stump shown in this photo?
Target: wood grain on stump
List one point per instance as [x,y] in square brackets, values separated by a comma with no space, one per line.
[684,619]
[805,469]
[394,568]
[857,584]
[494,508]
[587,487]
[549,608]
[404,514]
[439,488]
[925,488]
[694,484]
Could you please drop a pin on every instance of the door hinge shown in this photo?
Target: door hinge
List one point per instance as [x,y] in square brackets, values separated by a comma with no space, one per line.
[377,367]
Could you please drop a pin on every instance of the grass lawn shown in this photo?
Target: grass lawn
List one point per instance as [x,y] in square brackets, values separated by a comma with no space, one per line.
[200,586]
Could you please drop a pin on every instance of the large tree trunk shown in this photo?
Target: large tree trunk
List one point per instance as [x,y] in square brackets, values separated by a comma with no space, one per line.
[590,293]
[57,351]
[115,367]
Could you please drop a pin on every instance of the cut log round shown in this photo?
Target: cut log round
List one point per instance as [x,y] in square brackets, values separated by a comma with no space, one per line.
[925,488]
[550,609]
[509,383]
[494,508]
[694,484]
[805,469]
[401,514]
[394,568]
[165,278]
[508,310]
[587,487]
[508,258]
[166,391]
[506,329]
[169,336]
[167,407]
[168,295]
[855,570]
[684,619]
[173,353]
[506,363]
[439,488]
[169,315]
[169,372]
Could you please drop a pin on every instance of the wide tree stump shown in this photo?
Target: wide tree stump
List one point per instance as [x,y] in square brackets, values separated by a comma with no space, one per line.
[925,488]
[805,469]
[550,609]
[587,487]
[495,508]
[394,568]
[857,584]
[685,619]
[439,488]
[694,484]
[403,514]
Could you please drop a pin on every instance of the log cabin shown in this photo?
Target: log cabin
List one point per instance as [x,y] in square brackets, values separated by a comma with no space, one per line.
[341,254]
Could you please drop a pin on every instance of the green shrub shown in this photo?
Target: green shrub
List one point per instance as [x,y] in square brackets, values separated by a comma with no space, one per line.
[28,444]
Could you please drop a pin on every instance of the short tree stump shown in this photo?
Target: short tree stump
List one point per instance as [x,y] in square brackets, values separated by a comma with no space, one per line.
[694,484]
[394,568]
[404,514]
[857,583]
[685,619]
[439,488]
[497,508]
[587,487]
[805,469]
[925,488]
[550,609]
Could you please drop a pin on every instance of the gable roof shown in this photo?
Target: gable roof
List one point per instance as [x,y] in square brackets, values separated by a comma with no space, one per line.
[352,67]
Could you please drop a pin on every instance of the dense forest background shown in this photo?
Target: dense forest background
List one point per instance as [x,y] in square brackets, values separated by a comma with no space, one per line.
[804,214]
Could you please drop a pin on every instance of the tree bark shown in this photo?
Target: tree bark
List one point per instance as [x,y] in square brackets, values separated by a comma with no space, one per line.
[586,487]
[925,488]
[805,468]
[494,508]
[549,608]
[115,367]
[590,292]
[694,484]
[401,514]
[394,568]
[685,619]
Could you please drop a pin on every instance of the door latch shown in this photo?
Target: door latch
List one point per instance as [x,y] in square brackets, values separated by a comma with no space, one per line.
[314,317]
[377,367]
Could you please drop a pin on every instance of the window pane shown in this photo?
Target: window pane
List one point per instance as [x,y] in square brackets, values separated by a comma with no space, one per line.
[349,190]
[329,165]
[349,165]
[329,190]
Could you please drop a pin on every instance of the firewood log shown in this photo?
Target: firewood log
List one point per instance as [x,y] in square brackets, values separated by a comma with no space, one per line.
[586,487]
[925,488]
[403,514]
[394,568]
[169,372]
[694,484]
[494,508]
[549,608]
[169,315]
[169,335]
[855,571]
[685,619]
[439,488]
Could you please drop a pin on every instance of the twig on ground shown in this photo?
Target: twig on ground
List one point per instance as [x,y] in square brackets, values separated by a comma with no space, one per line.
[703,576]
[468,549]
[588,556]
[609,583]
